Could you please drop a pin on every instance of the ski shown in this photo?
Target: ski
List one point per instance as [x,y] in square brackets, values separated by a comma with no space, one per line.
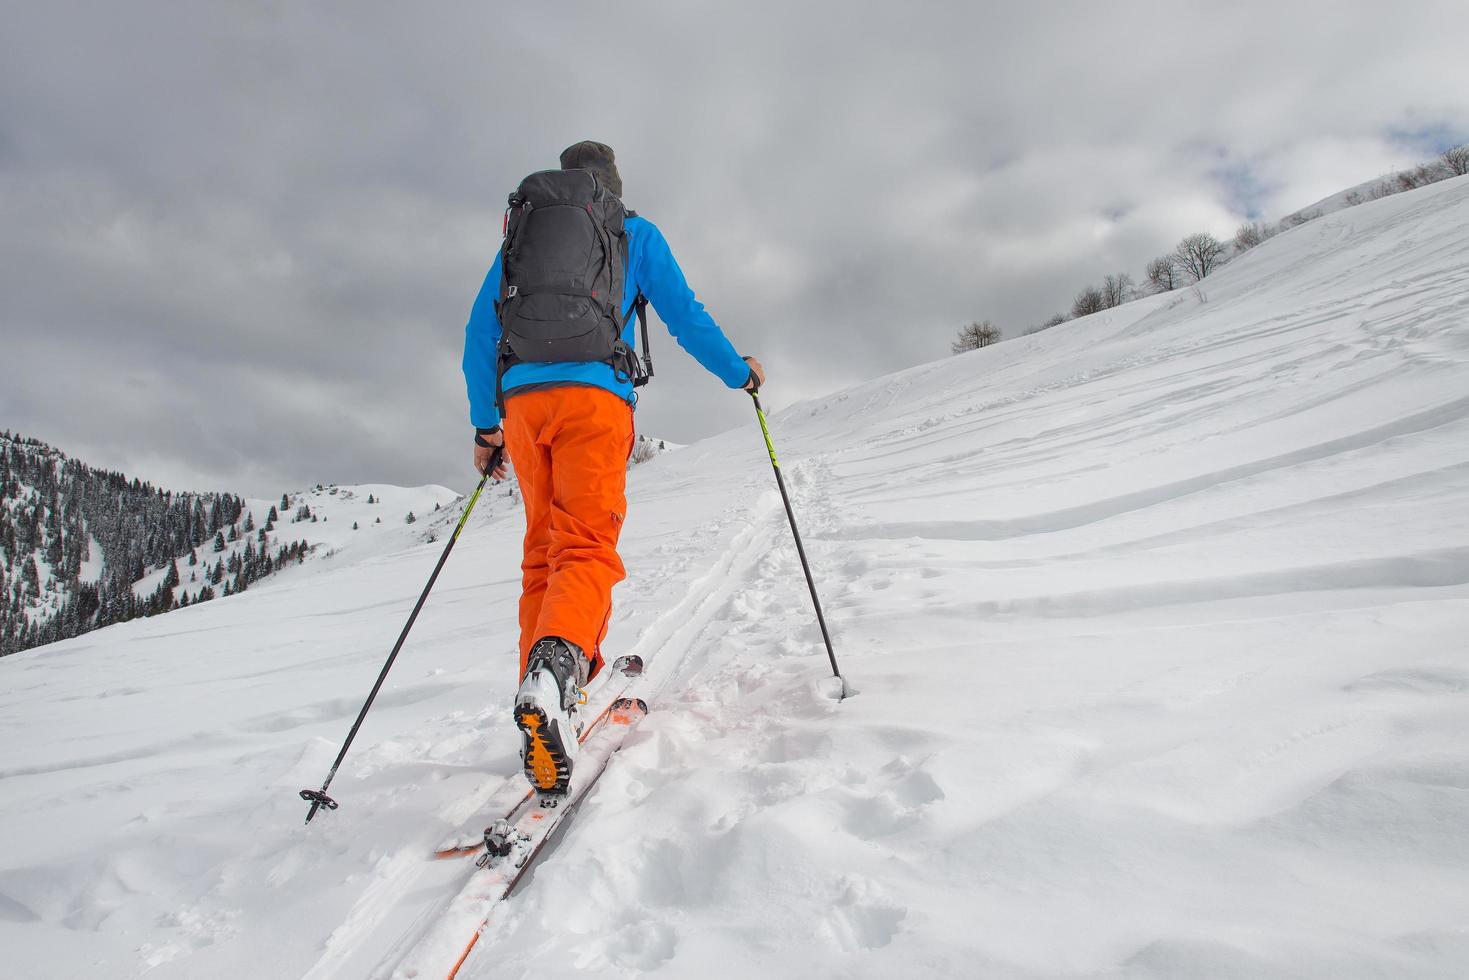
[621,676]
[509,848]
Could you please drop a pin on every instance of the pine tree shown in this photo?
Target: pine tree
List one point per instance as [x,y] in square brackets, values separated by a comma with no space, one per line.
[54,544]
[218,542]
[410,518]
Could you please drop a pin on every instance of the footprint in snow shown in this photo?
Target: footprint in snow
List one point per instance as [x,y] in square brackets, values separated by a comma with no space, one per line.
[861,917]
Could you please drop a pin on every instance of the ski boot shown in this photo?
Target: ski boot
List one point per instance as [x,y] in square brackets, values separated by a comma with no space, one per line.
[546,712]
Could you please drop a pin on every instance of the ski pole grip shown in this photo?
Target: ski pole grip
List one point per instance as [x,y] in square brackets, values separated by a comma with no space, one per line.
[496,458]
[754,388]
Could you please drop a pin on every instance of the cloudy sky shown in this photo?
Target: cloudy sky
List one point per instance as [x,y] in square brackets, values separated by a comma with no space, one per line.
[239,241]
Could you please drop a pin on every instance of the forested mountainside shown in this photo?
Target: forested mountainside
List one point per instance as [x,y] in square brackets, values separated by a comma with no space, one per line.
[81,547]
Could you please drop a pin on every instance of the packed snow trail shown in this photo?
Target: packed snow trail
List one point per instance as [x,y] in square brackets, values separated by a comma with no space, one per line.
[1157,620]
[512,845]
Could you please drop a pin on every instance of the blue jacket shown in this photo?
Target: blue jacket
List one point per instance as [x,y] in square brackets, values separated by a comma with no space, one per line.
[651,269]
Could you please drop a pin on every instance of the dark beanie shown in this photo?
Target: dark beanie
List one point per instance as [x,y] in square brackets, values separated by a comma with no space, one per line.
[596,157]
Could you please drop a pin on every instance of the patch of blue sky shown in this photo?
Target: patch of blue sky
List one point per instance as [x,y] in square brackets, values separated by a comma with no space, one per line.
[1426,139]
[1245,192]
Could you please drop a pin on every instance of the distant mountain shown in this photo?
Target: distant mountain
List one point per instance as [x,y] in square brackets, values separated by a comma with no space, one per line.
[81,548]
[646,448]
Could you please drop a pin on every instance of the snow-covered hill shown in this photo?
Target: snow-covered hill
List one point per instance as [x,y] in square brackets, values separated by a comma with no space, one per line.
[368,519]
[1159,621]
[83,548]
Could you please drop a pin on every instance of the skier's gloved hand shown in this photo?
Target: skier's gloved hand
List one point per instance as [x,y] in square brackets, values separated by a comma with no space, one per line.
[757,374]
[486,441]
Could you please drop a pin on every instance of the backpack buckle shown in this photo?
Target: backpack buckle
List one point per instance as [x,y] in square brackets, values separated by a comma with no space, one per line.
[511,291]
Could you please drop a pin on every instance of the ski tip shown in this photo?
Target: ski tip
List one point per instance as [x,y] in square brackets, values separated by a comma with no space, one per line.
[625,711]
[630,665]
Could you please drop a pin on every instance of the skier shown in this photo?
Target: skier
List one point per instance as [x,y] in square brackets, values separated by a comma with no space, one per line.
[562,408]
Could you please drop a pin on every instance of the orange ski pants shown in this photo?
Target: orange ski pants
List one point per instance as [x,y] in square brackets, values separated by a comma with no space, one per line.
[570,448]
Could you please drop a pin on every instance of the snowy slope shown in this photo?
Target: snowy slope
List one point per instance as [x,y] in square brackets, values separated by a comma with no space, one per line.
[1422,173]
[361,528]
[1158,618]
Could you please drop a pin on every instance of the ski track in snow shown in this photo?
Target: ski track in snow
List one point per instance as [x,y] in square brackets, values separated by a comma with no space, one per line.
[1157,619]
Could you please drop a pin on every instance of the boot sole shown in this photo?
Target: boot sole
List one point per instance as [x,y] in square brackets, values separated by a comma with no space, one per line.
[547,766]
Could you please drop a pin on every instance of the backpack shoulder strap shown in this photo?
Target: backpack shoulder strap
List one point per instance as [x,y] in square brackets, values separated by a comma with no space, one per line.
[640,305]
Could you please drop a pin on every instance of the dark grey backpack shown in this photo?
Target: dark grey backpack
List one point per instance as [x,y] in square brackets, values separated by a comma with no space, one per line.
[563,265]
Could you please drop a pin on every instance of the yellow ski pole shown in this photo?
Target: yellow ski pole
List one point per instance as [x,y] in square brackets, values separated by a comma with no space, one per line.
[800,548]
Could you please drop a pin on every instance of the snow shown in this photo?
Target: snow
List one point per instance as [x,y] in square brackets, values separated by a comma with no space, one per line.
[1157,621]
[91,570]
[341,507]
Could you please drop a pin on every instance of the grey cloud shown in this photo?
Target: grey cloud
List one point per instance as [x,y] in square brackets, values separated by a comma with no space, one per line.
[238,242]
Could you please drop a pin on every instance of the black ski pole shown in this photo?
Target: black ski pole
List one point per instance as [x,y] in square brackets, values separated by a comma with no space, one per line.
[317,797]
[796,533]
